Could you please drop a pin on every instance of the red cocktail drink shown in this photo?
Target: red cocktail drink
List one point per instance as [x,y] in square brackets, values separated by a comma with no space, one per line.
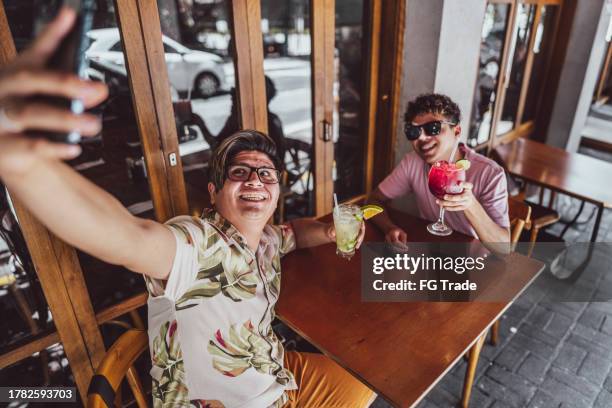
[444,178]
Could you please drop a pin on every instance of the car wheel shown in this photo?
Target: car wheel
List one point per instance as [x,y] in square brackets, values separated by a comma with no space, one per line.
[206,85]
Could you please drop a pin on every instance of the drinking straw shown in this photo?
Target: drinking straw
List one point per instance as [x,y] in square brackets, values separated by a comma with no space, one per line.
[336,204]
[452,155]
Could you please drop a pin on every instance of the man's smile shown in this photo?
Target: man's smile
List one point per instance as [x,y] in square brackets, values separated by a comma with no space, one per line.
[253,196]
[428,148]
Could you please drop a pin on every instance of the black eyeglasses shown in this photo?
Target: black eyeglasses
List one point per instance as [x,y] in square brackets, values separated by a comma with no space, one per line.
[242,172]
[433,128]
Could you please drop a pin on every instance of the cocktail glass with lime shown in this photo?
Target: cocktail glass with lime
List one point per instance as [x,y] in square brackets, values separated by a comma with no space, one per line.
[347,222]
[348,219]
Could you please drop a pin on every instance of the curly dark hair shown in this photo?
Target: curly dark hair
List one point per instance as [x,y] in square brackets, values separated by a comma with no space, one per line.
[433,103]
[240,141]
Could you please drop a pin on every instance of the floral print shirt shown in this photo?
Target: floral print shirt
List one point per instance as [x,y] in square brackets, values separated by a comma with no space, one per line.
[210,323]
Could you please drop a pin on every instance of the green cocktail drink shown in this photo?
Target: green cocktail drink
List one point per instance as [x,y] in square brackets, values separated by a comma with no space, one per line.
[347,221]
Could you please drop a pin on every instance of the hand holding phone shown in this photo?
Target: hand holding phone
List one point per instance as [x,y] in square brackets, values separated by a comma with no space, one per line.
[70,57]
[26,77]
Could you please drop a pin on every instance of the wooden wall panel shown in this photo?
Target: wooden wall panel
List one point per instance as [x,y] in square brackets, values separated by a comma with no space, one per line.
[164,113]
[248,63]
[322,16]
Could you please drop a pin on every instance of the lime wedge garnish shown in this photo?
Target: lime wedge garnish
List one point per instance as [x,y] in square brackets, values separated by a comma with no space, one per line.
[370,211]
[464,164]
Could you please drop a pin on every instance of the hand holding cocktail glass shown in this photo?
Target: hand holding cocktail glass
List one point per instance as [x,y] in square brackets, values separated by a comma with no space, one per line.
[459,202]
[447,180]
[348,228]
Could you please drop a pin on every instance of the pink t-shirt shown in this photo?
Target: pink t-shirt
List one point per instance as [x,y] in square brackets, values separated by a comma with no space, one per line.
[488,178]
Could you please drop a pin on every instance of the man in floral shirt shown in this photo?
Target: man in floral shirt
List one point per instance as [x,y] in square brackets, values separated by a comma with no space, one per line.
[210,321]
[213,281]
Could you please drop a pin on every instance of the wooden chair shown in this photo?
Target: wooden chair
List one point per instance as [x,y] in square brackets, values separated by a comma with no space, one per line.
[117,364]
[520,216]
[541,215]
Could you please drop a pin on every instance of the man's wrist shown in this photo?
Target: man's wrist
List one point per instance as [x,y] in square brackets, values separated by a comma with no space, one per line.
[473,211]
[9,173]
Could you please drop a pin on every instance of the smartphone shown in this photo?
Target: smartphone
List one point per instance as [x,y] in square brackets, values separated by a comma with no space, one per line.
[70,57]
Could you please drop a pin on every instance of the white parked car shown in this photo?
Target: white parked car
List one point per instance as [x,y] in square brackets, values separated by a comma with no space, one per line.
[198,71]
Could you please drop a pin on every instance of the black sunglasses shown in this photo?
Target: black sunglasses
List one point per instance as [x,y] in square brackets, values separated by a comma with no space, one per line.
[433,128]
[241,172]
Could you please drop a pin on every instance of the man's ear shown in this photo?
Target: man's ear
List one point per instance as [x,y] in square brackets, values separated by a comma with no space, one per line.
[213,193]
[458,130]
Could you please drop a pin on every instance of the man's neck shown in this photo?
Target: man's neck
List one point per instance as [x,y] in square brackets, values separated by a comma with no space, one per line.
[252,237]
[251,230]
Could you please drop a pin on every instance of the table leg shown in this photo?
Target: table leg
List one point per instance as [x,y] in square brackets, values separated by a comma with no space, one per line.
[495,333]
[573,221]
[470,372]
[557,268]
[600,209]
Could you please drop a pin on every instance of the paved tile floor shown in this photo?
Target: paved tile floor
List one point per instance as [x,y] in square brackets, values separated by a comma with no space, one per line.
[551,354]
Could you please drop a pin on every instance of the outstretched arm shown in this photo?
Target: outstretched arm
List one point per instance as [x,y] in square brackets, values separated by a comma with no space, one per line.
[72,207]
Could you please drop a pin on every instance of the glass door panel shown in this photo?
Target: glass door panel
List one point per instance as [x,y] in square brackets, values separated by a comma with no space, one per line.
[199,54]
[288,71]
[349,83]
[524,23]
[494,31]
[542,50]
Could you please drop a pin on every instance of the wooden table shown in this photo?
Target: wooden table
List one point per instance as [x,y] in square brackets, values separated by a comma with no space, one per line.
[574,174]
[399,349]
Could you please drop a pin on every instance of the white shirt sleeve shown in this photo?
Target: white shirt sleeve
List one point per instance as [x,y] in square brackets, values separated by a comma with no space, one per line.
[190,234]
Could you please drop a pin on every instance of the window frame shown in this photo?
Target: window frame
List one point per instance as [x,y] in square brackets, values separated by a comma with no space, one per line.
[520,128]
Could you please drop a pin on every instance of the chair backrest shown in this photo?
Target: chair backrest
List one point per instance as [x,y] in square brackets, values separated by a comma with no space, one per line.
[520,215]
[115,366]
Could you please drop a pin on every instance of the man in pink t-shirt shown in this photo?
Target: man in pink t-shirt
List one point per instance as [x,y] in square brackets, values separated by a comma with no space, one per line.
[431,123]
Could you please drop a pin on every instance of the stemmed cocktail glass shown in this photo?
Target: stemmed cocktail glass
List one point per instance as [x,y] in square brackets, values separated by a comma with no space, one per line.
[444,178]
